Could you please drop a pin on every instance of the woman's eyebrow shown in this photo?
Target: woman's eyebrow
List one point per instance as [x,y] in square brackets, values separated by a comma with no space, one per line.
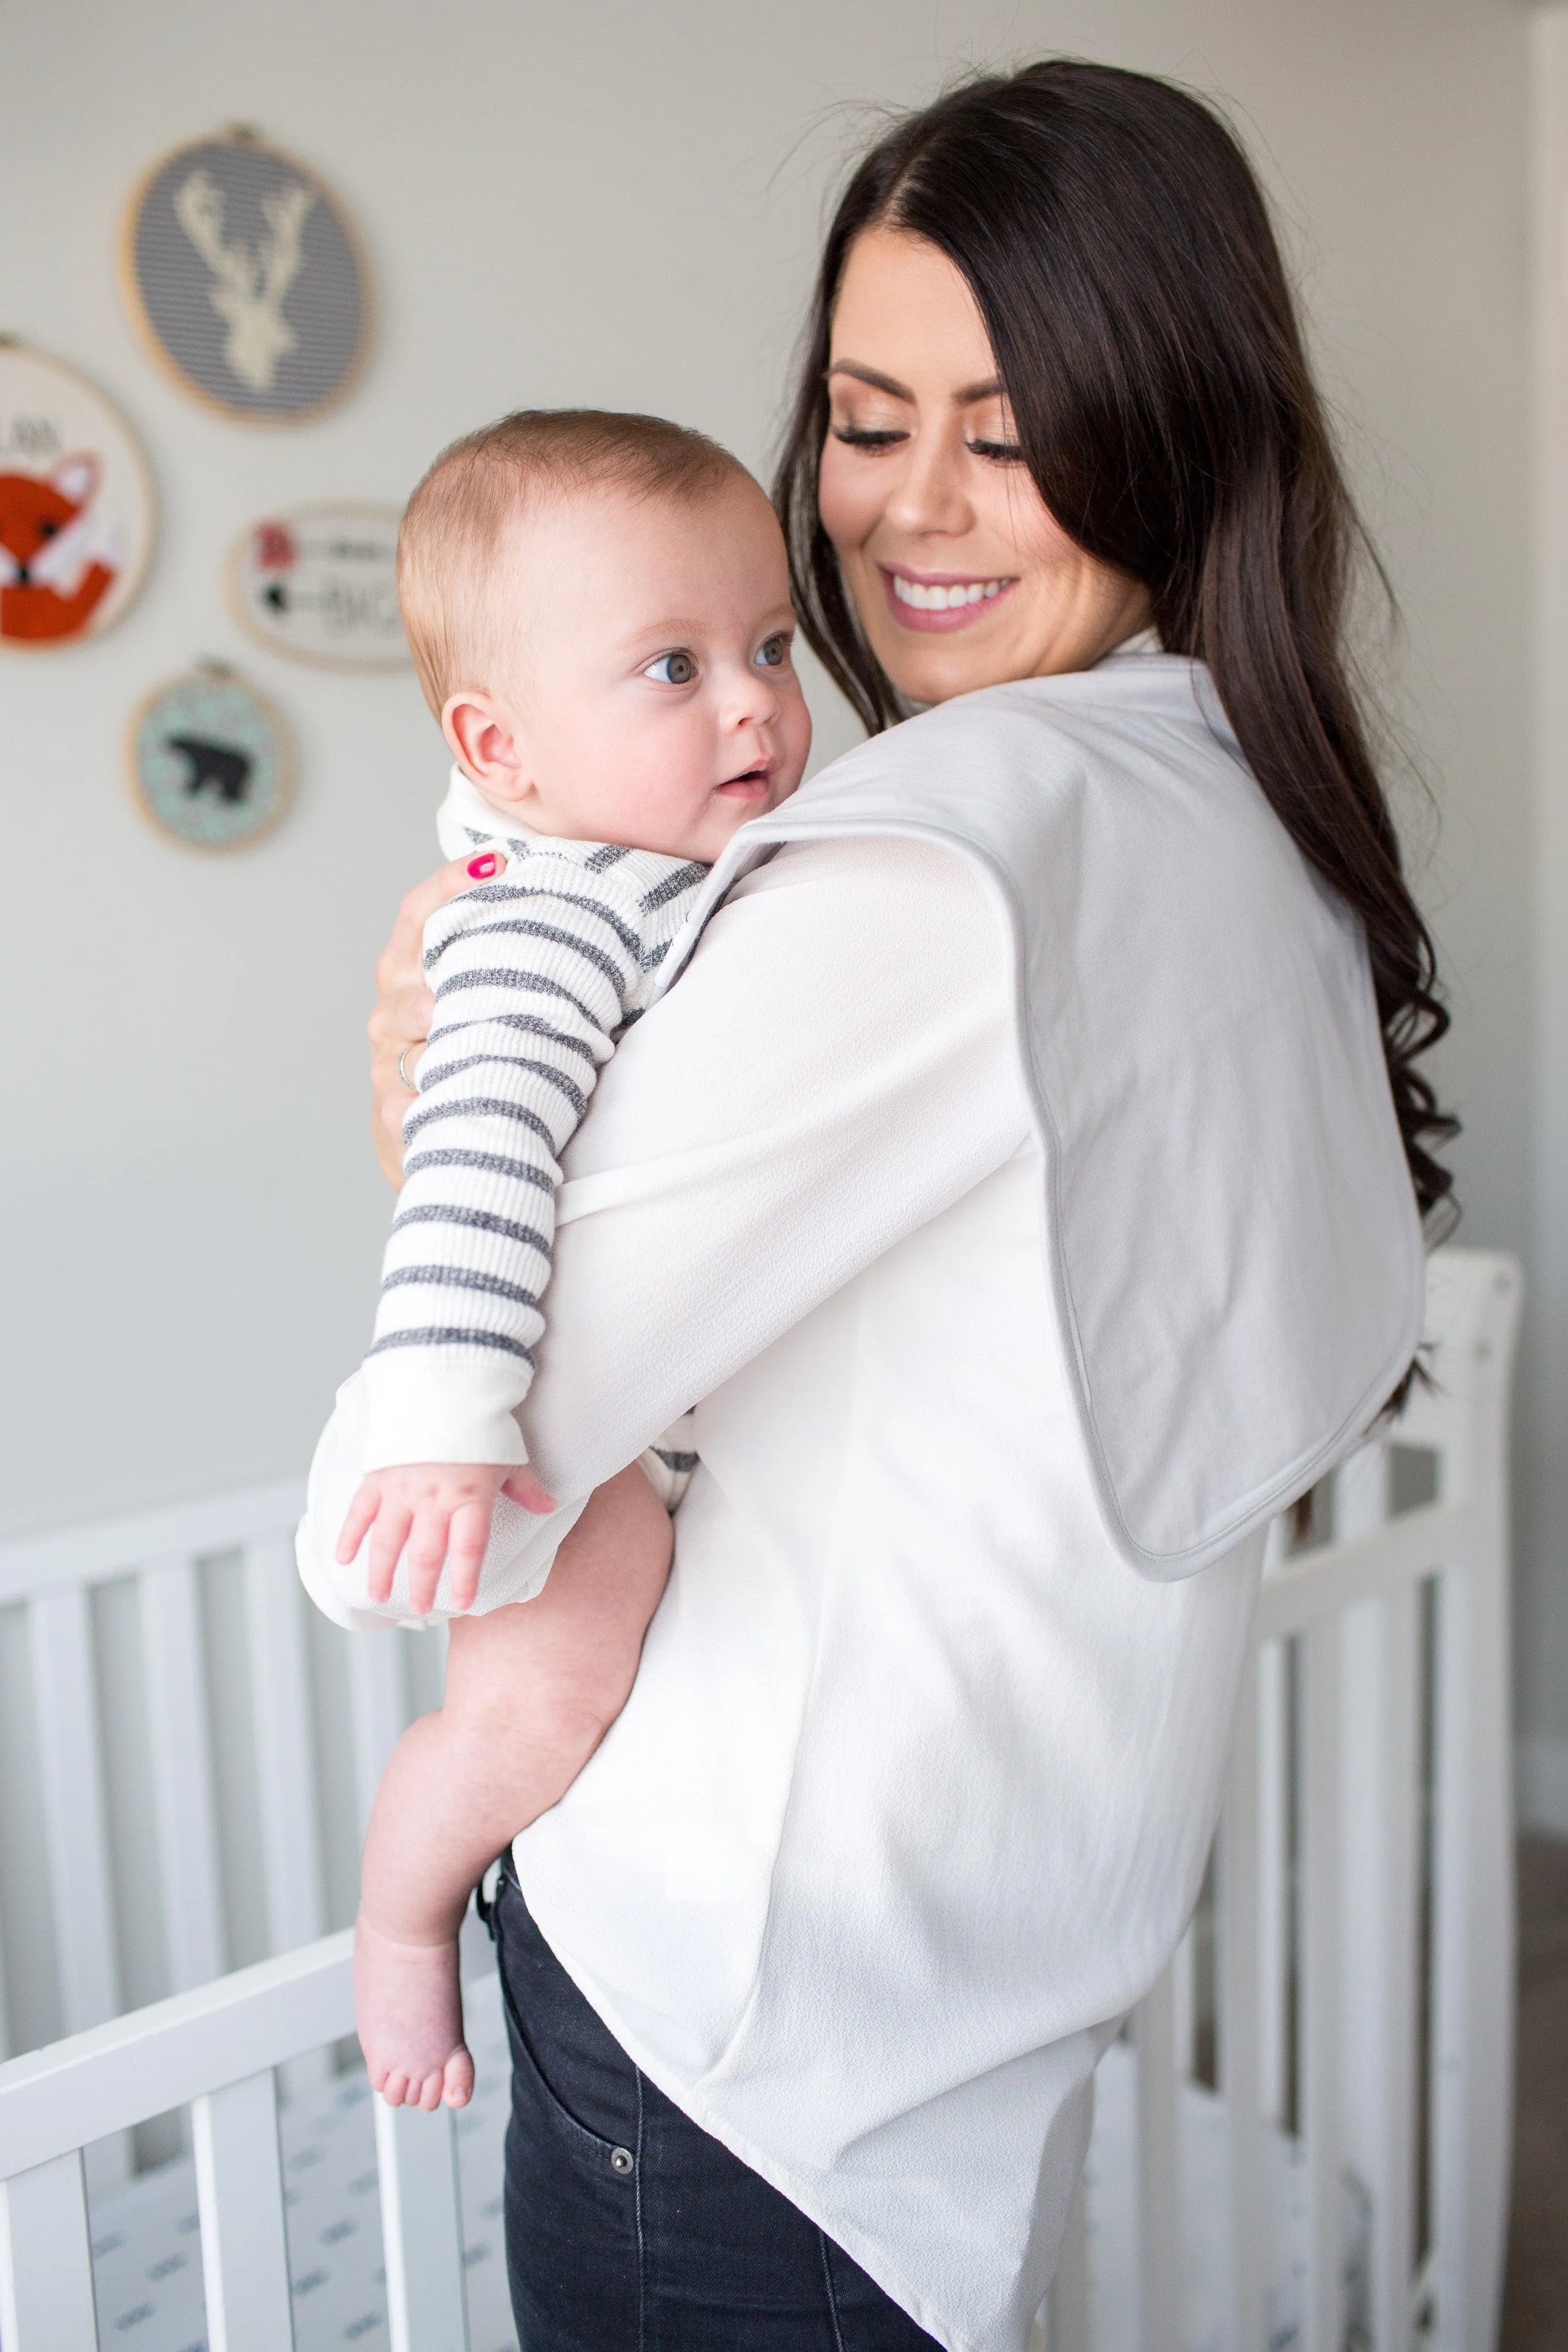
[877,381]
[964,397]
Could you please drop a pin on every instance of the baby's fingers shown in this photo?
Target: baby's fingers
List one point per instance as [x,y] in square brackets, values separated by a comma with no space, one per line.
[361,1516]
[525,1488]
[465,1551]
[387,1539]
[426,1557]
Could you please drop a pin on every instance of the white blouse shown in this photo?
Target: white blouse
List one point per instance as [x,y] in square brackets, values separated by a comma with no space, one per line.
[911,1799]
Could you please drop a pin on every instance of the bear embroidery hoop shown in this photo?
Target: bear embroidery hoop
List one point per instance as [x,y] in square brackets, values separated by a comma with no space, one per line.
[211,760]
[320,583]
[245,279]
[78,518]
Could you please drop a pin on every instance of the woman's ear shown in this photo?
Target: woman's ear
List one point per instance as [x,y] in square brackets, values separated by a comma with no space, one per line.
[485,740]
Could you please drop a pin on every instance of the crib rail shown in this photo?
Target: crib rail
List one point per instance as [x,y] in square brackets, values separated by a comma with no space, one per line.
[1361,1912]
[215,2050]
[136,1647]
[1343,2006]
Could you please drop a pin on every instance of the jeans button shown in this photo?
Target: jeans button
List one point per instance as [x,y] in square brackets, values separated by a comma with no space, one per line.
[622,2161]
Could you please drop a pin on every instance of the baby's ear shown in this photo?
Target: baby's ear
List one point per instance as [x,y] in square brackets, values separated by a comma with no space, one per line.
[484,741]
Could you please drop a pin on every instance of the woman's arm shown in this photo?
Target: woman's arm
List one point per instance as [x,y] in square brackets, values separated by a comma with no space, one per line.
[836,1067]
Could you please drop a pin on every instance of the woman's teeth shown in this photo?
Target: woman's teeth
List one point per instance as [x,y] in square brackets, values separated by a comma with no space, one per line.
[942,600]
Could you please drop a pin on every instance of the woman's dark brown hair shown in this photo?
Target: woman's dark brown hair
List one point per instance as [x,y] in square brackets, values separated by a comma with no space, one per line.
[1122,256]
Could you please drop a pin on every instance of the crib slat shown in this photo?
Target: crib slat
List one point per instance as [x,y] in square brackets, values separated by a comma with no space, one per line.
[4,2012]
[377,1690]
[1398,1799]
[72,1775]
[45,2261]
[1240,2015]
[239,2196]
[1159,2171]
[286,1745]
[1320,1979]
[422,2229]
[1275,1963]
[176,1677]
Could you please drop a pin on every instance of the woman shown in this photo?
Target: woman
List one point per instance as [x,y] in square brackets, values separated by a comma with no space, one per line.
[1026,1173]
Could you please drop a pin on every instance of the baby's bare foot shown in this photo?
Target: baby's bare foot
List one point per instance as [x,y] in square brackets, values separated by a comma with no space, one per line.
[409,2011]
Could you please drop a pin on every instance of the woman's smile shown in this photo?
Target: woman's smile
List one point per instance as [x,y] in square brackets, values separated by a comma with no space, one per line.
[940,600]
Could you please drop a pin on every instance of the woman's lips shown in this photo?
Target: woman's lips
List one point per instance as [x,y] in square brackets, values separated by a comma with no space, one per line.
[941,599]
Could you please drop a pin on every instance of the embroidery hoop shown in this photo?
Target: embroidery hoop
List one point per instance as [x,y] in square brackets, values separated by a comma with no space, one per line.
[242,134]
[224,674]
[82,387]
[363,665]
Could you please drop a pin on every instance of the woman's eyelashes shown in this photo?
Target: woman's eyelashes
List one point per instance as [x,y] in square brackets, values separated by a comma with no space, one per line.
[869,436]
[999,453]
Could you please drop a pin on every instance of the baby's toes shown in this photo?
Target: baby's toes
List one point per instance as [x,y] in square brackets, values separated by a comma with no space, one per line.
[429,2096]
[394,2088]
[457,2083]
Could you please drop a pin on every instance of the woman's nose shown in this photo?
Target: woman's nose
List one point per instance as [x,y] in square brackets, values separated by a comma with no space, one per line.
[929,494]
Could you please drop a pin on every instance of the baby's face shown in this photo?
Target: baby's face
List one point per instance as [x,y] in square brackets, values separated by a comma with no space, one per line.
[652,698]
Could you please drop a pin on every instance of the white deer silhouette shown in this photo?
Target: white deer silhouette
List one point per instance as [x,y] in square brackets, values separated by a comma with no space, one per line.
[251,286]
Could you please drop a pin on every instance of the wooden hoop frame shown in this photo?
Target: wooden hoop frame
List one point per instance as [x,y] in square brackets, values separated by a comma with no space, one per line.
[288,761]
[379,665]
[238,134]
[142,469]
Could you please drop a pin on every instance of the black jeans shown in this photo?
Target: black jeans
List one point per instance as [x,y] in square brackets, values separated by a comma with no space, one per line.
[628,2229]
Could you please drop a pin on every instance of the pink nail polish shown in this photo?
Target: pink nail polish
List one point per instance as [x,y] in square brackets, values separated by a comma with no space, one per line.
[483,866]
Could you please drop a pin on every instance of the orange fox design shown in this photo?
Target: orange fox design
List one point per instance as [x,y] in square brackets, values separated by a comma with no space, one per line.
[37,510]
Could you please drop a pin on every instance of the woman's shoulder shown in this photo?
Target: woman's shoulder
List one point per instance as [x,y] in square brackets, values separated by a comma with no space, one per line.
[1005,772]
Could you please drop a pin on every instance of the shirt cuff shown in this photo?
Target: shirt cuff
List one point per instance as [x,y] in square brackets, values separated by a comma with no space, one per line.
[437,1405]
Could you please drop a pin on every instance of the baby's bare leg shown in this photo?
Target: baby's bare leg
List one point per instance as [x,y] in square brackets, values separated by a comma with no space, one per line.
[530,1691]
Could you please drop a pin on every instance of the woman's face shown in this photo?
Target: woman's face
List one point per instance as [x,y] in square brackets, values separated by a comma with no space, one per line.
[959,571]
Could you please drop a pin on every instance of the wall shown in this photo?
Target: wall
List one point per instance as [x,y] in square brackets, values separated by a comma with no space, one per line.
[1543,1530]
[616,205]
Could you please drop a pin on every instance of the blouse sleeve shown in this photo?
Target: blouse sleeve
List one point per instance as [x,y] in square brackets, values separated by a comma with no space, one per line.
[837,1065]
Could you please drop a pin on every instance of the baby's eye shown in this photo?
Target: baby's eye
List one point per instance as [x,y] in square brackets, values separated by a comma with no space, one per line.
[672,669]
[774,651]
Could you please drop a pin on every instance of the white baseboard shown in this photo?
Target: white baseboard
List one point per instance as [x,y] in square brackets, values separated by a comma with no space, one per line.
[1541,1783]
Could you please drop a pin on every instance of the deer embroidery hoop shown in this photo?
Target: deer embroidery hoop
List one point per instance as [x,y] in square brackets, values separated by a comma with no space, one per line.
[78,518]
[245,279]
[211,760]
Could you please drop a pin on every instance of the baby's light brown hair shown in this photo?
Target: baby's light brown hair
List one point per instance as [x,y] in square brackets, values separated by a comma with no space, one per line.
[456,522]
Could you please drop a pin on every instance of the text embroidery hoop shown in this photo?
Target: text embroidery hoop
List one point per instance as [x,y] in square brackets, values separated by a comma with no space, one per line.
[245,279]
[77,510]
[318,584]
[211,760]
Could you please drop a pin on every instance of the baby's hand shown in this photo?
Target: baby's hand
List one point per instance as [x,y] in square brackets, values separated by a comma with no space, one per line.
[440,1512]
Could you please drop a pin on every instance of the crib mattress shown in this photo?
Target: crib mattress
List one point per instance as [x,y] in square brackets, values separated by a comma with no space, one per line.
[147,2264]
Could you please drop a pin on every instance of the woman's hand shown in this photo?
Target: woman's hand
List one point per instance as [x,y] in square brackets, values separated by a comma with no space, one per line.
[401,1021]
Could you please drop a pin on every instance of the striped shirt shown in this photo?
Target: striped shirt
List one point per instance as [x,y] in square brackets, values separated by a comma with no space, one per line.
[536,975]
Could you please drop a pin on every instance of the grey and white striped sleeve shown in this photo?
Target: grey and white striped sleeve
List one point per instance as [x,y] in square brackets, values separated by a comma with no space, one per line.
[533,975]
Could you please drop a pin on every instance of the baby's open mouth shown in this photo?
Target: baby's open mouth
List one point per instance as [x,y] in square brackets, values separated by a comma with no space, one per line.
[751,785]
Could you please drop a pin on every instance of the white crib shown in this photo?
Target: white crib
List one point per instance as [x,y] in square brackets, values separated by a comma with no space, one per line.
[1301,2138]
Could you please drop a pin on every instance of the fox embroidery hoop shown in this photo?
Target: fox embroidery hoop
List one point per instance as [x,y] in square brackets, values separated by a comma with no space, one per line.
[77,517]
[211,760]
[245,279]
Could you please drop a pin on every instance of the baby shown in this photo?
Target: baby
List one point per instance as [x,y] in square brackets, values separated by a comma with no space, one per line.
[599,609]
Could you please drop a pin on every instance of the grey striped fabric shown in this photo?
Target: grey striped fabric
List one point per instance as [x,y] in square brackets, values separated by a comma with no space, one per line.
[535,976]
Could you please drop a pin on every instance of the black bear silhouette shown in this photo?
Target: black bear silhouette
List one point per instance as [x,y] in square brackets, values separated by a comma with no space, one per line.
[218,765]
